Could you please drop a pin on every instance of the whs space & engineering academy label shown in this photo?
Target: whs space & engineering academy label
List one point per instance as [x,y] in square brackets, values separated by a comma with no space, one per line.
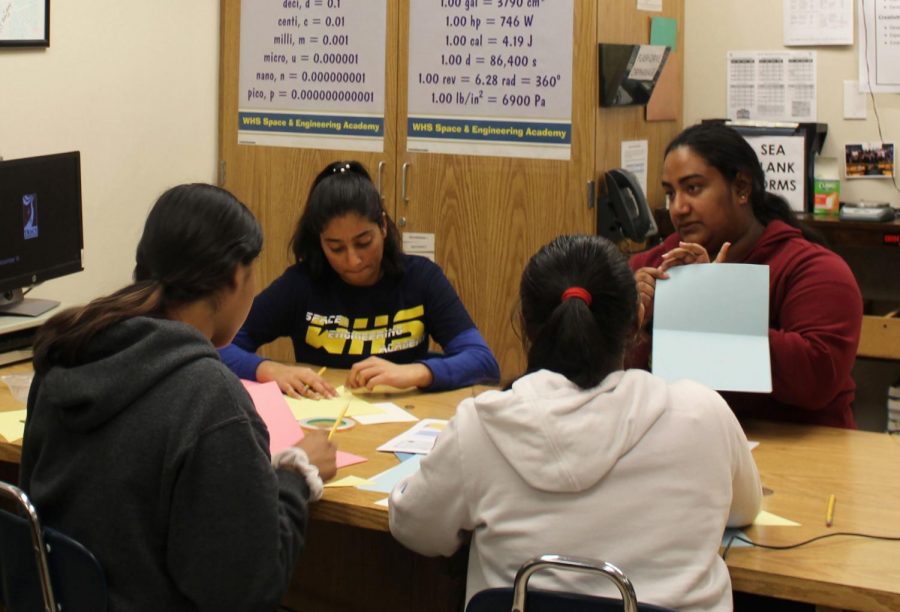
[312,74]
[491,77]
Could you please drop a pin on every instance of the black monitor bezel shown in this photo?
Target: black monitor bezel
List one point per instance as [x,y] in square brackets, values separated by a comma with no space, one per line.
[64,268]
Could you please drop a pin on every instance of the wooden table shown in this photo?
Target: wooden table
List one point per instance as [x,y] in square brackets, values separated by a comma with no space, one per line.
[352,563]
[802,466]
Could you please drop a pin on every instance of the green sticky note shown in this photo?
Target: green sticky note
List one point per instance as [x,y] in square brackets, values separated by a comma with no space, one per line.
[663,31]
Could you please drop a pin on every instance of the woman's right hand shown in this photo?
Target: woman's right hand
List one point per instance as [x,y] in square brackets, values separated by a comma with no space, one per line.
[645,279]
[295,381]
[321,453]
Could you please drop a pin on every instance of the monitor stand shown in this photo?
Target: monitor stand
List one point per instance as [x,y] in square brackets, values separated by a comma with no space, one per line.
[15,304]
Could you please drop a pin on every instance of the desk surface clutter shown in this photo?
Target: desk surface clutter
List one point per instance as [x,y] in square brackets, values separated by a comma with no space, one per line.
[801,468]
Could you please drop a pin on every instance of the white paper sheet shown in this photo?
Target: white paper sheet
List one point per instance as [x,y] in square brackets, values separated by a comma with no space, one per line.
[818,22]
[418,439]
[711,324]
[879,45]
[772,85]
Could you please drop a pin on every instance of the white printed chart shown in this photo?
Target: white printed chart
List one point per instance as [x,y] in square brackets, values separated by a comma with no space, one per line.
[491,77]
[312,74]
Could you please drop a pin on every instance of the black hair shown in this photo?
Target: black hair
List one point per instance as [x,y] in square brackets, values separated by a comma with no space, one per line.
[727,151]
[194,238]
[342,188]
[582,342]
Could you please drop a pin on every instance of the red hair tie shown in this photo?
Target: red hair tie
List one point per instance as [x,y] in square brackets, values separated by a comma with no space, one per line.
[577,292]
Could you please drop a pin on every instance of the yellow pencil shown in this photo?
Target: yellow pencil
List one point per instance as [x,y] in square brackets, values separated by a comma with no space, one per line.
[321,371]
[829,516]
[340,418]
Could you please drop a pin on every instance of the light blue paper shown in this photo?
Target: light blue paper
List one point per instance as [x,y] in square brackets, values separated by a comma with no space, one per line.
[729,537]
[405,456]
[385,481]
[711,324]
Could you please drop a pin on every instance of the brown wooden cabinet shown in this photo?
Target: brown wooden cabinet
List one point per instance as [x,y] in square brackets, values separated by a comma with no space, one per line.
[488,214]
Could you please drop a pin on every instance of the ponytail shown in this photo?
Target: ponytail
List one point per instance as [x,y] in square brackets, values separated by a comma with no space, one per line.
[772,207]
[567,341]
[579,307]
[66,336]
[194,239]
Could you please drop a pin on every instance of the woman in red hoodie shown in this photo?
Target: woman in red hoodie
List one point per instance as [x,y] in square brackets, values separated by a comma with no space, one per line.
[717,200]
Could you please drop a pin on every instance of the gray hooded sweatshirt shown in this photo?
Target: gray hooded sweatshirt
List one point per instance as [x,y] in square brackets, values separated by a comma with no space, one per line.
[151,454]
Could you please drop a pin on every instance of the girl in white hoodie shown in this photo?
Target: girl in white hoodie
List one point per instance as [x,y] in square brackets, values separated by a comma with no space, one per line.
[580,457]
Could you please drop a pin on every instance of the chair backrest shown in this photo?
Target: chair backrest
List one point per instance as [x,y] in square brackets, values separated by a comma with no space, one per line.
[518,597]
[43,569]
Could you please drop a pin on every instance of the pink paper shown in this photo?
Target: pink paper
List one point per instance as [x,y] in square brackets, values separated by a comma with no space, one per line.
[345,459]
[284,430]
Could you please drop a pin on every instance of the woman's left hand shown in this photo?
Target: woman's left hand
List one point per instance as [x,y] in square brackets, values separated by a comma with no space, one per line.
[377,371]
[687,253]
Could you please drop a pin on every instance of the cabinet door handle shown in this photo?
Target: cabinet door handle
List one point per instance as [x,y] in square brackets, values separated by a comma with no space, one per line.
[381,166]
[404,171]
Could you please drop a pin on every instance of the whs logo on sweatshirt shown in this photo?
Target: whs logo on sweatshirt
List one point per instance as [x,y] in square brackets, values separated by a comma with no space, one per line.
[340,335]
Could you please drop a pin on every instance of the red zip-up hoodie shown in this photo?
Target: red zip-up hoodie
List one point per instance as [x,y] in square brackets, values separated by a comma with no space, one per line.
[815,316]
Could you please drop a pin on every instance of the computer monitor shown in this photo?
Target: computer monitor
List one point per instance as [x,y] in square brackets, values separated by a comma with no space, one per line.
[40,227]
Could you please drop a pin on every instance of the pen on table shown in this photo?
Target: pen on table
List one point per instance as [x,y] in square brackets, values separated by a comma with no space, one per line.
[829,516]
[340,418]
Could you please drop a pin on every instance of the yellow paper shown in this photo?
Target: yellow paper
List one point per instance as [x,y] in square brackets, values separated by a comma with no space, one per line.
[382,389]
[331,408]
[12,424]
[349,481]
[767,518]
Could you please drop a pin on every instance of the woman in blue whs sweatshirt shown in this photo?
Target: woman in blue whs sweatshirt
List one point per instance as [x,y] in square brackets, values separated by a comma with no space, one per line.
[354,300]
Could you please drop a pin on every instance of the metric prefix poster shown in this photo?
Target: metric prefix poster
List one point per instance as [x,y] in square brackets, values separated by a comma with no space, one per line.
[491,77]
[312,74]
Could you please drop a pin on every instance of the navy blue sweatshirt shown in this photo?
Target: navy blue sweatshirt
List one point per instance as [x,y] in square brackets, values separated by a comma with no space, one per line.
[335,324]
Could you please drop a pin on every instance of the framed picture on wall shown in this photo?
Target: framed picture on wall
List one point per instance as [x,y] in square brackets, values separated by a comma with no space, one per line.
[869,160]
[24,23]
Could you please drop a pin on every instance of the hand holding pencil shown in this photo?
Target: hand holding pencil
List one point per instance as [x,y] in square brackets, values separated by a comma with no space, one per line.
[296,381]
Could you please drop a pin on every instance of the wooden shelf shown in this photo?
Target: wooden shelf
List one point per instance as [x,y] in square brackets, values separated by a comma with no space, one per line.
[855,233]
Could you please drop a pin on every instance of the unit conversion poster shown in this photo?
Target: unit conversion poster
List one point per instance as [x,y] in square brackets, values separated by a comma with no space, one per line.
[312,74]
[491,77]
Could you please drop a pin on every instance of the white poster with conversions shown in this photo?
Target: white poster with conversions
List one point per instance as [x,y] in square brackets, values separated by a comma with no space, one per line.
[312,74]
[491,77]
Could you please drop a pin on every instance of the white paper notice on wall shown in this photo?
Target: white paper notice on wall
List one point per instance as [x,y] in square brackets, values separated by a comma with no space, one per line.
[646,64]
[649,5]
[818,22]
[782,159]
[879,46]
[634,158]
[419,243]
[772,85]
[854,101]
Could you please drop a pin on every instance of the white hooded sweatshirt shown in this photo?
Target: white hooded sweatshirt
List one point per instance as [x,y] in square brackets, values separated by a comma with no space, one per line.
[636,471]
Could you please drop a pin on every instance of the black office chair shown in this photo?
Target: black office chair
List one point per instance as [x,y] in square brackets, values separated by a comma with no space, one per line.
[43,569]
[518,598]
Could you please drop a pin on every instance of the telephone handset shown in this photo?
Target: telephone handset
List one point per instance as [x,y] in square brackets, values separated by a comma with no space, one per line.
[622,211]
